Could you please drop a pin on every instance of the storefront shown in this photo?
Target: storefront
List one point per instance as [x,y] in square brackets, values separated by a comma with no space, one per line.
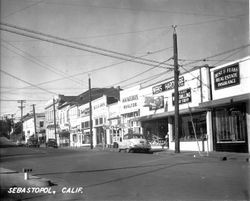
[130,110]
[157,115]
[230,107]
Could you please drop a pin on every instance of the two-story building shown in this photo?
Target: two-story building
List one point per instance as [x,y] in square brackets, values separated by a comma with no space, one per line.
[29,126]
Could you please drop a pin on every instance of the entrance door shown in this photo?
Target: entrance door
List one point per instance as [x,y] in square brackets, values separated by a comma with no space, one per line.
[229,129]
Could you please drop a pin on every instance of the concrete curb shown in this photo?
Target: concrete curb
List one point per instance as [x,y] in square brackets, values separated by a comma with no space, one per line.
[10,178]
[222,156]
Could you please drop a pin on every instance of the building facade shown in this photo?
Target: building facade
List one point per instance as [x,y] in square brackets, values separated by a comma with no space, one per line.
[229,109]
[157,115]
[29,126]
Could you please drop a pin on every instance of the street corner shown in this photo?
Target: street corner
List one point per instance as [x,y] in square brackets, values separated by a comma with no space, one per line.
[11,178]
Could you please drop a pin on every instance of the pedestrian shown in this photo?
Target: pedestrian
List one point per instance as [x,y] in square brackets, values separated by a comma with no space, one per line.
[167,140]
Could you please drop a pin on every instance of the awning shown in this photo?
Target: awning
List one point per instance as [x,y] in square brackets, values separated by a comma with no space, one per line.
[226,101]
[170,113]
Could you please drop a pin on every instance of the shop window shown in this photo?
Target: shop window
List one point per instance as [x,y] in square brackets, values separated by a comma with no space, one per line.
[41,124]
[188,129]
[101,120]
[74,138]
[96,121]
[86,124]
[230,125]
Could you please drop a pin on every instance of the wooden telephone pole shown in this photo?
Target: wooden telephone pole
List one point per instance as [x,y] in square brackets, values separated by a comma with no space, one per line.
[90,115]
[54,112]
[34,114]
[176,94]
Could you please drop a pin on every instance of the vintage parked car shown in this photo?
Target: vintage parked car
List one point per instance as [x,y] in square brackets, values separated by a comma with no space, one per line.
[20,143]
[134,142]
[32,142]
[52,143]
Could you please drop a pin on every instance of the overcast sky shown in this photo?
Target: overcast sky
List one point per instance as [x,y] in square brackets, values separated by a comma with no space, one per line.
[35,70]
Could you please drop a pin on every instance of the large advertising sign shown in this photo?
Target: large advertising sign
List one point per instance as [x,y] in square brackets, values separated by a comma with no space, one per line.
[227,77]
[184,96]
[154,103]
[167,86]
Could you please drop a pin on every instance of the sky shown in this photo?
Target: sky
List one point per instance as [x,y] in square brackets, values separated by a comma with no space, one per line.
[209,32]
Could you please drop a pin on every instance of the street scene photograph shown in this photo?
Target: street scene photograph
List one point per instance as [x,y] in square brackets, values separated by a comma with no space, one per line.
[124,100]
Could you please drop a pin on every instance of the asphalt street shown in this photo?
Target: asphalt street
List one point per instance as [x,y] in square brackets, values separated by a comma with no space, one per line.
[108,175]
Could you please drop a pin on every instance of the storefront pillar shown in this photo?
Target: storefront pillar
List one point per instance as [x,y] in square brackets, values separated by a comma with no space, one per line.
[209,131]
[248,124]
[94,138]
[171,133]
[108,138]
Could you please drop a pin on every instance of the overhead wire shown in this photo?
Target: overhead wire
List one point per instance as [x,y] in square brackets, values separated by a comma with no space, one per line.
[22,9]
[140,9]
[198,78]
[216,55]
[139,74]
[13,76]
[95,50]
[94,70]
[80,48]
[40,63]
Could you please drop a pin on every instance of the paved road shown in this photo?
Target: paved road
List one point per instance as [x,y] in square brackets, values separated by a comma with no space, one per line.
[131,176]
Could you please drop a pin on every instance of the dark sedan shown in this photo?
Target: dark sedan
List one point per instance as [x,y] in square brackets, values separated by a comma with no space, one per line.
[52,143]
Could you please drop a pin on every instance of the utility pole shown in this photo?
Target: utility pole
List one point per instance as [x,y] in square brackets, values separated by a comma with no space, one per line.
[34,113]
[176,94]
[21,107]
[90,115]
[54,112]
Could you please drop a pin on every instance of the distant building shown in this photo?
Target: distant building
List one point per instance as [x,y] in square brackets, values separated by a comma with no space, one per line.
[29,127]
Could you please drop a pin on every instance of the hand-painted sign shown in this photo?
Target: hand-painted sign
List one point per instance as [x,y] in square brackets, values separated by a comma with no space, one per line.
[167,86]
[154,103]
[227,77]
[184,96]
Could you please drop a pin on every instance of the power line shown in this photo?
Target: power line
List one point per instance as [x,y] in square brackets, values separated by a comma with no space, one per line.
[97,69]
[214,20]
[139,74]
[104,52]
[27,82]
[216,55]
[79,48]
[22,9]
[198,78]
[139,9]
[15,100]
[41,64]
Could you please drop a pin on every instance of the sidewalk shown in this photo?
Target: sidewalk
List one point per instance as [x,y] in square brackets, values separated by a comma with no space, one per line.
[11,178]
[223,156]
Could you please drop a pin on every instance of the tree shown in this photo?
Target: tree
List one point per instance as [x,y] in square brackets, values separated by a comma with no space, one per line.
[5,127]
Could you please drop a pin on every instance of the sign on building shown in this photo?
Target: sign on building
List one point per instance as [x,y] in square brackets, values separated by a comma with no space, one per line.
[167,86]
[154,103]
[184,96]
[227,76]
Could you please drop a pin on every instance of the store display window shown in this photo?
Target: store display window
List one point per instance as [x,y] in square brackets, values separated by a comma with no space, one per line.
[230,124]
[192,127]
